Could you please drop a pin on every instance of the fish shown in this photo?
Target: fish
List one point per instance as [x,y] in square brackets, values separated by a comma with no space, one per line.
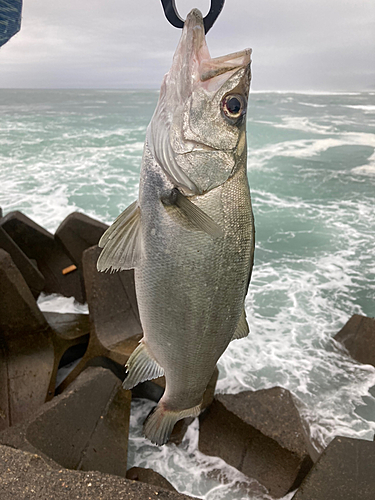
[190,234]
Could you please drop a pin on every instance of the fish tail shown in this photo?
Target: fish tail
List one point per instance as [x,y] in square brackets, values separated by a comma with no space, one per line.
[159,424]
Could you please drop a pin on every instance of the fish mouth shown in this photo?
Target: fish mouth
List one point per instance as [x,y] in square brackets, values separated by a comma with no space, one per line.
[193,65]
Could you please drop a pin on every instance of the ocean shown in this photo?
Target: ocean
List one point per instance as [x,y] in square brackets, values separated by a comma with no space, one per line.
[311,169]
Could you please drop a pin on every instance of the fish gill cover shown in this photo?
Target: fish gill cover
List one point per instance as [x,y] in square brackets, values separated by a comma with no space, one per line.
[10,19]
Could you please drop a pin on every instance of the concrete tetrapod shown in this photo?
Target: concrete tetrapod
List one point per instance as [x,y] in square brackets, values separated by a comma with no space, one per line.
[344,471]
[33,277]
[114,317]
[85,428]
[40,245]
[77,233]
[31,346]
[261,434]
[358,336]
[26,349]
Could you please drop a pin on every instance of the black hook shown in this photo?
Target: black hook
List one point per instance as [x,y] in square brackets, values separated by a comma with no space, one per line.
[174,18]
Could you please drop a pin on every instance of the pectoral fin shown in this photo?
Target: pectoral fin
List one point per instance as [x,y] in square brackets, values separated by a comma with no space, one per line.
[195,215]
[121,242]
[242,329]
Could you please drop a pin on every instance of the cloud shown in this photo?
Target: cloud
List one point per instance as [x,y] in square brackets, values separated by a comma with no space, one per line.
[121,43]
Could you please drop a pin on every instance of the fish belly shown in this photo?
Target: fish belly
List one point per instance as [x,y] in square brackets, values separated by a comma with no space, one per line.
[191,287]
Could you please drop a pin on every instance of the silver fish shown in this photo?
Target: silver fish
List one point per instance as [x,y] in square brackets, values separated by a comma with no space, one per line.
[190,234]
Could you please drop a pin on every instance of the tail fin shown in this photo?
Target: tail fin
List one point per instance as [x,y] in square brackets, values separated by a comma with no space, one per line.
[159,424]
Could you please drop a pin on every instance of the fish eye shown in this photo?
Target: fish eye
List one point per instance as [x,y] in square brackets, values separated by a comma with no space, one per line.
[233,106]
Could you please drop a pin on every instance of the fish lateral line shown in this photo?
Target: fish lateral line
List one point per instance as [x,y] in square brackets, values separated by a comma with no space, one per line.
[202,221]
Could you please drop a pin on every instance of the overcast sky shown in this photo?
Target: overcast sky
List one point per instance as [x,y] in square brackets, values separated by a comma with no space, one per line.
[297,44]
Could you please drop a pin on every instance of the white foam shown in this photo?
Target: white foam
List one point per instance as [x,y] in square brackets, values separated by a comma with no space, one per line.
[312,105]
[364,170]
[369,108]
[368,169]
[57,303]
[189,470]
[306,148]
[304,124]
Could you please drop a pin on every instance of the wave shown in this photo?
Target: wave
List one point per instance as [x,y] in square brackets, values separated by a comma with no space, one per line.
[312,105]
[364,107]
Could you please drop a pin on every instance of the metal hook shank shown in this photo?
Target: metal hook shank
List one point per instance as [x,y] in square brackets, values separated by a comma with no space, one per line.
[175,19]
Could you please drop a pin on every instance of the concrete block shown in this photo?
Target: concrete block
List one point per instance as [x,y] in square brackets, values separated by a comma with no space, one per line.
[115,324]
[86,428]
[40,245]
[261,434]
[26,350]
[26,476]
[77,233]
[33,277]
[70,335]
[358,336]
[344,471]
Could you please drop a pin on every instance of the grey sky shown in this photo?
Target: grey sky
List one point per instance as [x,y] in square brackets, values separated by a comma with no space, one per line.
[297,44]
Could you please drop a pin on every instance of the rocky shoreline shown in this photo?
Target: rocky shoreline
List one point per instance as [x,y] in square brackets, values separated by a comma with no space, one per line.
[72,437]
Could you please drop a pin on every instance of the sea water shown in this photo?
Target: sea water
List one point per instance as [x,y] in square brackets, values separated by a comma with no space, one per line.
[311,169]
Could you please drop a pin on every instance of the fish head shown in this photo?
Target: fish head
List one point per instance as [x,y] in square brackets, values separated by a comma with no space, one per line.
[198,131]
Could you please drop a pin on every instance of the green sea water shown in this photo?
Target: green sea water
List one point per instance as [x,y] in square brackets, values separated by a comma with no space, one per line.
[311,169]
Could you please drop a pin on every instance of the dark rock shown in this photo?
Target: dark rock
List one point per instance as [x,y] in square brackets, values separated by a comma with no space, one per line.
[26,476]
[344,471]
[33,277]
[86,428]
[115,324]
[25,347]
[40,245]
[358,336]
[149,476]
[261,434]
[77,233]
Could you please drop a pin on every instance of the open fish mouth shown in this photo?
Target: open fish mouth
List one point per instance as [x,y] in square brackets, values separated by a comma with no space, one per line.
[192,63]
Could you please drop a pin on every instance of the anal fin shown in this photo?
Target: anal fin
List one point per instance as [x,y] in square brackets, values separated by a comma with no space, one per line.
[121,242]
[242,329]
[141,367]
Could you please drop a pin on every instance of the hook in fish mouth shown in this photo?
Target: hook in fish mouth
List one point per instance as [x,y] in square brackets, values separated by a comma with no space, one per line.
[175,19]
